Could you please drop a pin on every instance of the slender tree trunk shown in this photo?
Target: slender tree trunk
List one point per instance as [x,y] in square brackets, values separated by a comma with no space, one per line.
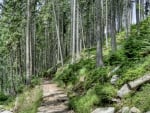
[77,32]
[106,28]
[73,31]
[28,74]
[58,35]
[99,50]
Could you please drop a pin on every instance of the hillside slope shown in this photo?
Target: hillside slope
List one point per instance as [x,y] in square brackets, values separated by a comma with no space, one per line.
[89,87]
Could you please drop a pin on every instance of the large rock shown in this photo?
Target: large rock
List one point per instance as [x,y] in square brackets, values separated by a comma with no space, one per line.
[114,79]
[148,112]
[134,84]
[127,88]
[134,110]
[104,110]
[6,112]
[123,91]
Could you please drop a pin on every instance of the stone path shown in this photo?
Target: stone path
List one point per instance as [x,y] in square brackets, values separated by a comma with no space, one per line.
[54,99]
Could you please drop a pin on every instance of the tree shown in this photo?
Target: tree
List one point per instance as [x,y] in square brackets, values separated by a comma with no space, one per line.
[99,50]
[28,46]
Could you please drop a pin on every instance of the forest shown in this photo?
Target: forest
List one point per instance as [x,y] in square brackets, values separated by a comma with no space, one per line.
[74,56]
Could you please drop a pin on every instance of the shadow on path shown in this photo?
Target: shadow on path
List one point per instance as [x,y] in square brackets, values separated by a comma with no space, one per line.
[54,99]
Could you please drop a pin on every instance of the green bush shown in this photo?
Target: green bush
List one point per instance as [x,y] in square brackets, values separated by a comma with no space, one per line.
[3,97]
[85,103]
[67,75]
[20,88]
[29,102]
[98,75]
[134,71]
[131,48]
[116,58]
[35,81]
[105,93]
[140,99]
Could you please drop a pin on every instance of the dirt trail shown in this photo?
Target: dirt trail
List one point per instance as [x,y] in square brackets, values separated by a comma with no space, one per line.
[54,99]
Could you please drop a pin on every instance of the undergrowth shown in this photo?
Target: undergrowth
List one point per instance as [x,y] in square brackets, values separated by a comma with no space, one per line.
[89,86]
[29,101]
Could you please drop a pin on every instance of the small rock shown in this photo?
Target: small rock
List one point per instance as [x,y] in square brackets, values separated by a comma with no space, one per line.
[116,100]
[82,79]
[134,110]
[104,110]
[125,110]
[114,79]
[123,91]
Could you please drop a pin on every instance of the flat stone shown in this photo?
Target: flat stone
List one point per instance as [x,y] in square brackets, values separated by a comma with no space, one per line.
[104,110]
[124,110]
[134,110]
[123,91]
[6,112]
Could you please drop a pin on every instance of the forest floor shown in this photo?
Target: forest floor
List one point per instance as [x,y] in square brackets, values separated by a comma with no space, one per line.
[54,99]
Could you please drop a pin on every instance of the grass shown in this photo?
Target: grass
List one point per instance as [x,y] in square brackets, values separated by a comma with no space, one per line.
[141,99]
[8,104]
[84,104]
[28,102]
[89,86]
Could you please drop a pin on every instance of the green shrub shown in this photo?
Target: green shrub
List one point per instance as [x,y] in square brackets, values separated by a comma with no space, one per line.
[98,75]
[3,97]
[35,81]
[29,102]
[140,99]
[116,58]
[20,88]
[84,104]
[105,93]
[134,71]
[132,48]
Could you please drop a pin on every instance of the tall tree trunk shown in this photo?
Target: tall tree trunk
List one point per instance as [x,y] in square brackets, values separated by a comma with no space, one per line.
[106,26]
[28,74]
[58,35]
[113,27]
[73,31]
[77,32]
[99,50]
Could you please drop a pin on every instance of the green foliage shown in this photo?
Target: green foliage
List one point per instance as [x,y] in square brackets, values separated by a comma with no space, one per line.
[20,88]
[98,95]
[95,89]
[67,75]
[131,48]
[29,101]
[3,97]
[134,70]
[84,104]
[140,99]
[116,58]
[98,75]
[105,93]
[6,100]
[71,72]
[35,81]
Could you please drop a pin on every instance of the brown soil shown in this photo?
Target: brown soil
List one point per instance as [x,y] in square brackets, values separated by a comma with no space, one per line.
[54,99]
